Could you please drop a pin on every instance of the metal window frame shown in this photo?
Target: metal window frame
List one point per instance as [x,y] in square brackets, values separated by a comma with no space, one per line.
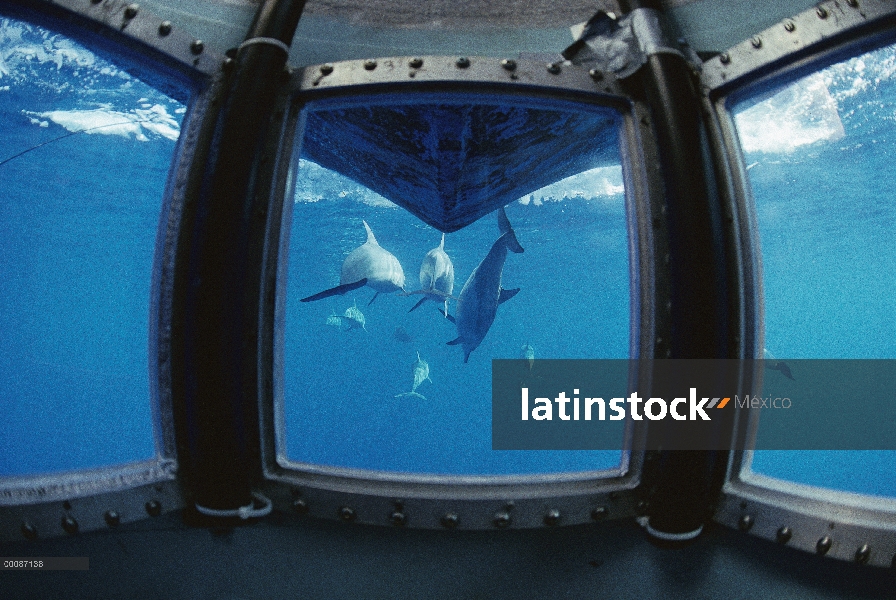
[478,502]
[157,52]
[827,522]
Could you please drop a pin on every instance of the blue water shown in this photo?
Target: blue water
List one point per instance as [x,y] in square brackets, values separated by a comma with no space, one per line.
[78,232]
[822,157]
[573,303]
[78,224]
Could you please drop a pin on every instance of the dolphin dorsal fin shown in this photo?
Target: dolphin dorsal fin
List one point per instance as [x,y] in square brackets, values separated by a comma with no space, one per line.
[442,244]
[371,239]
[418,355]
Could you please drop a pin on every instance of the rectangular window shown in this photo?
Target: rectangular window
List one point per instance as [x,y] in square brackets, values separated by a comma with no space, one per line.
[85,150]
[820,156]
[371,382]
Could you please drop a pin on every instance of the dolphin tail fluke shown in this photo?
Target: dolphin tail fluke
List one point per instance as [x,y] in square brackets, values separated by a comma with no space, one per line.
[507,294]
[508,233]
[422,300]
[447,316]
[372,299]
[413,394]
[336,291]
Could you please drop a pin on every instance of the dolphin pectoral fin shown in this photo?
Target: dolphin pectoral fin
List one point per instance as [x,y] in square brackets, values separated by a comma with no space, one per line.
[372,299]
[454,342]
[336,291]
[414,394]
[449,317]
[507,294]
[422,300]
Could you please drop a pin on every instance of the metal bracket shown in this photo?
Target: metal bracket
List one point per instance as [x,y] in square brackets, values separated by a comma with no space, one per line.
[622,45]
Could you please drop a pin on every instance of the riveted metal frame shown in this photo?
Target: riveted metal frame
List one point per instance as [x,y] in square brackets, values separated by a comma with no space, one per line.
[479,502]
[841,525]
[50,505]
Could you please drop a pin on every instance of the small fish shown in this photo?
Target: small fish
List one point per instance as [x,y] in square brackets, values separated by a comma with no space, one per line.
[421,374]
[352,319]
[527,352]
[774,364]
[402,336]
[355,317]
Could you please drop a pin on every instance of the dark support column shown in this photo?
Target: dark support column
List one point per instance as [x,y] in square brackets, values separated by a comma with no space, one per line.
[217,298]
[686,483]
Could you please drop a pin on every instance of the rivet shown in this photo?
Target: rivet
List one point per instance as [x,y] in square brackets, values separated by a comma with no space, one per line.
[725,58]
[197,47]
[397,518]
[599,513]
[112,518]
[596,75]
[299,506]
[863,554]
[756,42]
[853,3]
[463,62]
[745,523]
[508,64]
[823,545]
[553,68]
[164,28]
[552,517]
[450,521]
[416,62]
[821,12]
[784,535]
[346,514]
[502,519]
[228,64]
[326,69]
[131,10]
[790,26]
[153,508]
[29,531]
[69,525]
[369,64]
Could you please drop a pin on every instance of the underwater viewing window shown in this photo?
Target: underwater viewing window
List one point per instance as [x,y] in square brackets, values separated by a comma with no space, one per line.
[85,151]
[820,158]
[513,208]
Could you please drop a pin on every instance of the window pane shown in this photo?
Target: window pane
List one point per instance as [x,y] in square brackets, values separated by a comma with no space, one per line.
[351,395]
[85,150]
[820,154]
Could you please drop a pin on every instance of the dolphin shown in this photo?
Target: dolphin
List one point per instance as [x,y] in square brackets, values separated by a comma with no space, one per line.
[774,364]
[482,293]
[421,374]
[527,352]
[436,276]
[370,265]
[352,319]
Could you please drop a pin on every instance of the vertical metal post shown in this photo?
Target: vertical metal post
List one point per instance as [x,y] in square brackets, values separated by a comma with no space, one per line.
[685,483]
[217,298]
